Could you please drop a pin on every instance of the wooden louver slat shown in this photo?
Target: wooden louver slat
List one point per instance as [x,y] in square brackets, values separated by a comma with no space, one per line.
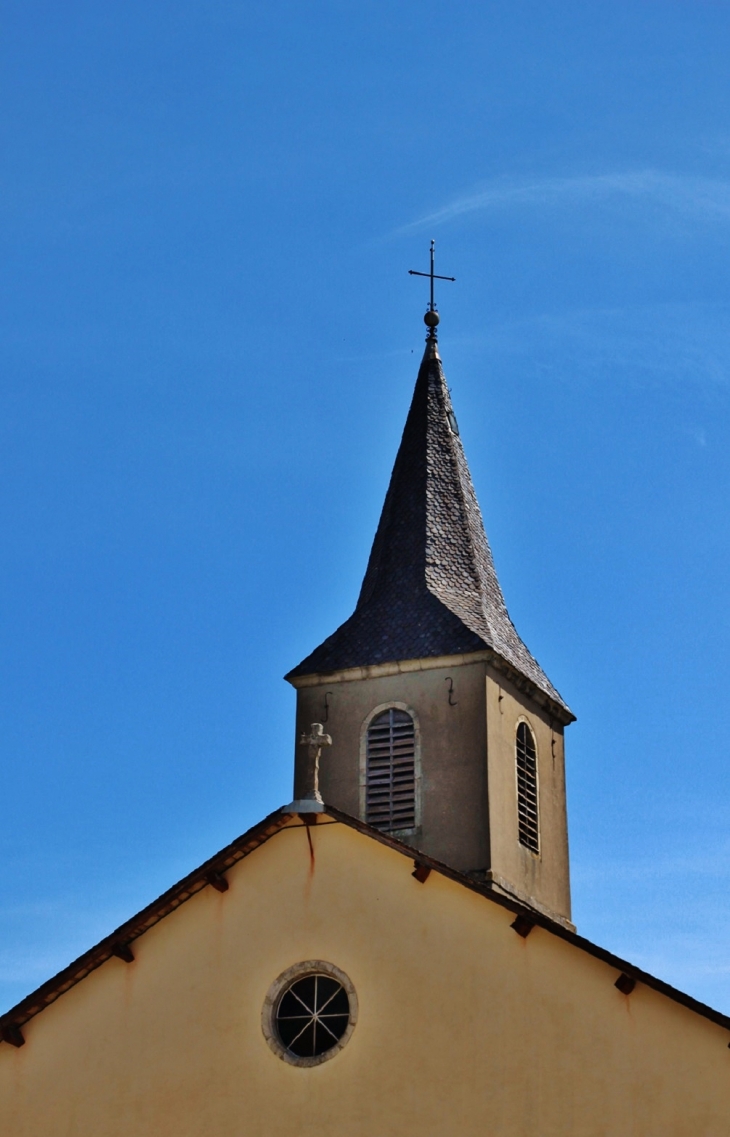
[390,778]
[527,805]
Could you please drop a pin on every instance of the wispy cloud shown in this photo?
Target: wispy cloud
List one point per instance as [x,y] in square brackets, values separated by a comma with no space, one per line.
[676,343]
[701,198]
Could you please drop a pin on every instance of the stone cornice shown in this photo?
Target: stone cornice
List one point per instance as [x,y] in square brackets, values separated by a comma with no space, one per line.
[556,711]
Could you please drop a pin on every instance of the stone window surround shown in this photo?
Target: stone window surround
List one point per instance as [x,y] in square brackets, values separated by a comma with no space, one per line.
[277,989]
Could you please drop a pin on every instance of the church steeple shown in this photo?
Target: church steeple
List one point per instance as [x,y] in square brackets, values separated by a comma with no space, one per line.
[445,729]
[430,587]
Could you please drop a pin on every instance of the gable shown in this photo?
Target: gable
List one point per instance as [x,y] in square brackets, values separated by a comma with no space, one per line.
[462,1024]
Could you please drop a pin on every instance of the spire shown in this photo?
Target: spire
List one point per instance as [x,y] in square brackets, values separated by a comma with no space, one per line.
[430,587]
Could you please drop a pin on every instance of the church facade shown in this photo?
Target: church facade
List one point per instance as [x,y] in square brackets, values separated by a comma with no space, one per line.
[392,952]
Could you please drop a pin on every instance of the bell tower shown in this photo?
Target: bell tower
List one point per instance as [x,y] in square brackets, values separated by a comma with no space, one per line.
[445,730]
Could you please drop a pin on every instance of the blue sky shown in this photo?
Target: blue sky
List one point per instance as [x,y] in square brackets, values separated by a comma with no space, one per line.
[209,342]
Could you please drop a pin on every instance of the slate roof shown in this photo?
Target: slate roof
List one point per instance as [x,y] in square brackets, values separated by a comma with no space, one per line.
[121,942]
[430,587]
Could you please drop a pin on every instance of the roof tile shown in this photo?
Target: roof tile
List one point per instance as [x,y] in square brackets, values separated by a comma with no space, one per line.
[430,587]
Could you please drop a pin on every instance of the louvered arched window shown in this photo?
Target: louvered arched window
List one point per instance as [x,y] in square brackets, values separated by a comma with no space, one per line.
[390,771]
[527,813]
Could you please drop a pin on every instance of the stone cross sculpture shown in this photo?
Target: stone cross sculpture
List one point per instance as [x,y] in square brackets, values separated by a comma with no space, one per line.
[314,742]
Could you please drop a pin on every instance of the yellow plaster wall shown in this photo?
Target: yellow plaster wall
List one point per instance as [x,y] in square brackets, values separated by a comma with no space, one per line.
[464,1027]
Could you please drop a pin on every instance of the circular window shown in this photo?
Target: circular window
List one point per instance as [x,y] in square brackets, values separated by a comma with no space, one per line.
[309,1013]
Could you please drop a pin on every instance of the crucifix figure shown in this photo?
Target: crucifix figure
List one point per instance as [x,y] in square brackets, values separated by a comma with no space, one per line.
[314,742]
[431,318]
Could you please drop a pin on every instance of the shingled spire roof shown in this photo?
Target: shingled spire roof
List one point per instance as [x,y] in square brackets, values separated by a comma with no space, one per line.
[430,588]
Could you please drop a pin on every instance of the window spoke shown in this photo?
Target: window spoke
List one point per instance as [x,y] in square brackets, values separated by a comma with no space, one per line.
[327,1002]
[306,1008]
[323,1026]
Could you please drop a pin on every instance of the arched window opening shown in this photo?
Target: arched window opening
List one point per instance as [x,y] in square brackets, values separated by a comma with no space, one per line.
[390,771]
[527,814]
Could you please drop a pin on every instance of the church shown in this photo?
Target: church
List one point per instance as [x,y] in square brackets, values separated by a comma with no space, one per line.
[393,951]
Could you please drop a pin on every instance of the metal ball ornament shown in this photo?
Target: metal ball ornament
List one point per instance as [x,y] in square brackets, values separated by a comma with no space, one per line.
[431,319]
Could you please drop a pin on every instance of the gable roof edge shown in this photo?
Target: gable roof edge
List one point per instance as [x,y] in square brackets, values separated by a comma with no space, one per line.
[538,919]
[216,866]
[12,1021]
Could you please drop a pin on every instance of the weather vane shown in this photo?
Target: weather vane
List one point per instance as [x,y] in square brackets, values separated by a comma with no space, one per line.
[431,318]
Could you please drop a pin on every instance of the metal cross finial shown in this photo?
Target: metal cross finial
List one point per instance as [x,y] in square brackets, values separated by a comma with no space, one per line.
[314,743]
[431,318]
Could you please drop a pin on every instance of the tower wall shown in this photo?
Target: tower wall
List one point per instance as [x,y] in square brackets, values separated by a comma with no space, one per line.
[466,774]
[542,879]
[451,745]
